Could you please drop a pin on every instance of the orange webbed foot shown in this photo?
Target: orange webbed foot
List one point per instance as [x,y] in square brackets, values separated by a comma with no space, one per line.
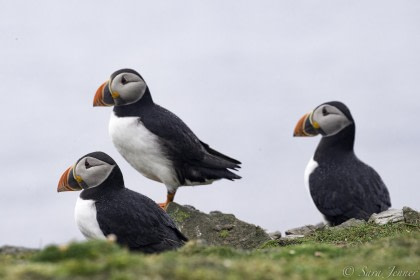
[163,205]
[169,199]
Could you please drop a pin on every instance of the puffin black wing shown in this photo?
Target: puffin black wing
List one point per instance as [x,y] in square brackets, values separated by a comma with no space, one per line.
[193,160]
[138,222]
[345,191]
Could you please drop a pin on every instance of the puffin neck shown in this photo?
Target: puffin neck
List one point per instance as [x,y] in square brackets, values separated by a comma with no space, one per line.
[132,110]
[341,143]
[114,182]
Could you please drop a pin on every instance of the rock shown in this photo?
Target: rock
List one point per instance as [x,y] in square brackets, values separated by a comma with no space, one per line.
[13,250]
[216,228]
[275,235]
[321,225]
[290,239]
[305,230]
[350,223]
[411,216]
[388,216]
[293,236]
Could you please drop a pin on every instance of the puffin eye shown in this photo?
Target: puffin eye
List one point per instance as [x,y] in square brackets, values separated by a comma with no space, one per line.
[87,165]
[124,80]
[325,112]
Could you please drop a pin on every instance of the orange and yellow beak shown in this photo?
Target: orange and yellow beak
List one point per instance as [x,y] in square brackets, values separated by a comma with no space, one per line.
[306,127]
[103,96]
[67,182]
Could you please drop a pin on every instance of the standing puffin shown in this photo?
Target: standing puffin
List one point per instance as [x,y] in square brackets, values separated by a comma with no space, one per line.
[106,207]
[342,187]
[156,142]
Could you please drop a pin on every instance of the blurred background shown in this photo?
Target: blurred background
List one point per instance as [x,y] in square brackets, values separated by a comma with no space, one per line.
[240,74]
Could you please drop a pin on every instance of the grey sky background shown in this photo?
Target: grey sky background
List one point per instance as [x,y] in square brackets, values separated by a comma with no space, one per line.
[239,73]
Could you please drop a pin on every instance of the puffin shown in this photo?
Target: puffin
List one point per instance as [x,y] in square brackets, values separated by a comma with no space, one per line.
[156,142]
[106,208]
[340,184]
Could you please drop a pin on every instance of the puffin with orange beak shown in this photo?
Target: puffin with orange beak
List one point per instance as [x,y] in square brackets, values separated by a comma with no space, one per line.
[105,207]
[341,186]
[156,142]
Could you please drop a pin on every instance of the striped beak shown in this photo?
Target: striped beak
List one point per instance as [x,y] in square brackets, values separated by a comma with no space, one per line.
[306,127]
[67,182]
[103,96]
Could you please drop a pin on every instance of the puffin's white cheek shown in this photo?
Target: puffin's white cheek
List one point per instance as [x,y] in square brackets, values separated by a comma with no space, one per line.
[133,92]
[97,175]
[335,124]
[116,86]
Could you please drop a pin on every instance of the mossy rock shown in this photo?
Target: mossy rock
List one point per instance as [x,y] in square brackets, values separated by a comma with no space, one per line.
[411,216]
[217,228]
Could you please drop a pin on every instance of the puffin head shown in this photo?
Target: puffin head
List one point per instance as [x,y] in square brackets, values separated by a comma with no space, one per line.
[89,171]
[327,119]
[124,87]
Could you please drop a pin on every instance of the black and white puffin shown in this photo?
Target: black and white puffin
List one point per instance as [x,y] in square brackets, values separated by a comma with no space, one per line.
[106,207]
[342,187]
[156,142]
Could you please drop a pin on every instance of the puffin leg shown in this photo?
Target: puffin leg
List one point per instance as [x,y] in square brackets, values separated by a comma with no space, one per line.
[169,198]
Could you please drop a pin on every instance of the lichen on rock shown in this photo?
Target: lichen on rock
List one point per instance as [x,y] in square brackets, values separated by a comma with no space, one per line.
[411,216]
[388,216]
[216,228]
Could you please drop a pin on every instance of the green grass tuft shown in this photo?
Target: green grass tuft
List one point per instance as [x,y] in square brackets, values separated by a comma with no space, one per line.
[269,244]
[77,251]
[360,234]
[224,233]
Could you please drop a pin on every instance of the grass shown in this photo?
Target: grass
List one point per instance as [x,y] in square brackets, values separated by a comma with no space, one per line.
[366,251]
[357,235]
[224,233]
